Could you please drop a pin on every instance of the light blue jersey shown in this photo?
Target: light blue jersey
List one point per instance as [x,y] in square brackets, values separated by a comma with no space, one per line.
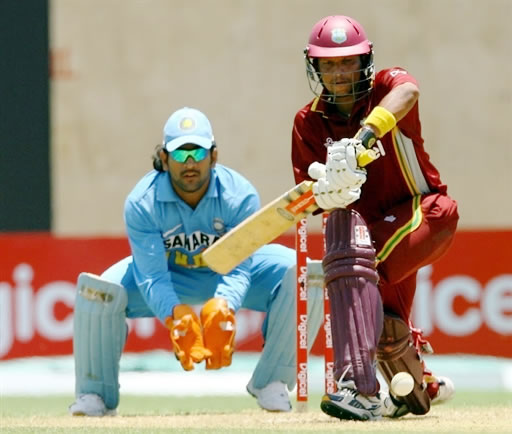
[167,238]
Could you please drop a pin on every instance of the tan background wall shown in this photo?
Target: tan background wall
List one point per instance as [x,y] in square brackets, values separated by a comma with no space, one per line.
[121,67]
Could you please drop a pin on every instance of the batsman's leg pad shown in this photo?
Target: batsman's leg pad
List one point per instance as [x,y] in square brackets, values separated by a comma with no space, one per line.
[99,335]
[278,359]
[397,353]
[356,304]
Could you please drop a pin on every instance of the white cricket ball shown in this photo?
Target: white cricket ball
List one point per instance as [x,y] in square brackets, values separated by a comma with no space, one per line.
[402,384]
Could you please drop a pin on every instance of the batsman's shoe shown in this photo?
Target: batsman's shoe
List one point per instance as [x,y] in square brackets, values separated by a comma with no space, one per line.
[273,397]
[440,390]
[393,408]
[90,404]
[347,403]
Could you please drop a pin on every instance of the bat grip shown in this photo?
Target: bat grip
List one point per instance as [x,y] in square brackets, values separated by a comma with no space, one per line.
[366,157]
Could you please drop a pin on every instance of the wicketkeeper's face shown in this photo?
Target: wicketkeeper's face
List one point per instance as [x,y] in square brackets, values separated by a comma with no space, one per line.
[189,167]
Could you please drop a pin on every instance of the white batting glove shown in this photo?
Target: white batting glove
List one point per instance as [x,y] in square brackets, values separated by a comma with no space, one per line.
[316,170]
[341,166]
[327,197]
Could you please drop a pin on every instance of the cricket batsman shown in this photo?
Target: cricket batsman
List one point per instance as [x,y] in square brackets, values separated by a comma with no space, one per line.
[173,213]
[388,219]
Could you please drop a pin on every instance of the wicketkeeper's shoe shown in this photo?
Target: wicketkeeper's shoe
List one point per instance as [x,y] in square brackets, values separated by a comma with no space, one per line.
[272,397]
[348,403]
[90,404]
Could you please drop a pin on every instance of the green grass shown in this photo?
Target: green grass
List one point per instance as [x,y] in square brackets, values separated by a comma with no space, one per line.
[169,405]
[469,411]
[131,405]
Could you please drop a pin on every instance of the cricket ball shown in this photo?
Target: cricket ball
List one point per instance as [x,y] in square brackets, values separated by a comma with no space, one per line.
[402,384]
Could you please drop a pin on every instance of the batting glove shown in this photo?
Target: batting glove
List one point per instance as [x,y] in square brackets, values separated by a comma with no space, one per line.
[341,167]
[326,195]
[219,326]
[186,337]
[316,170]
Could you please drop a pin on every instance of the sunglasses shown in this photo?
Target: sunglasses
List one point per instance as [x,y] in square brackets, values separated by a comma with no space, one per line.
[181,155]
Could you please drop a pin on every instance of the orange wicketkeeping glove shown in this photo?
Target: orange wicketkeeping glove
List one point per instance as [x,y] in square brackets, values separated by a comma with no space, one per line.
[219,326]
[186,337]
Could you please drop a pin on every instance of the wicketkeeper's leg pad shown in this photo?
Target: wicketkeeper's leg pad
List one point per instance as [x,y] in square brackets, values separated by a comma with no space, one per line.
[99,335]
[397,353]
[278,359]
[356,304]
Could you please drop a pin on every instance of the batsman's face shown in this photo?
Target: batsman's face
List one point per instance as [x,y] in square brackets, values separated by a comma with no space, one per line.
[193,173]
[340,74]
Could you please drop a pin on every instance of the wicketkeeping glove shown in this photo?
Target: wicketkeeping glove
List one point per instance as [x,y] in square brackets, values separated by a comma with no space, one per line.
[186,337]
[219,326]
[342,171]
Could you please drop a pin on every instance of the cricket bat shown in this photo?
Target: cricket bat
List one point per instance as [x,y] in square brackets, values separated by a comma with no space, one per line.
[266,225]
[260,228]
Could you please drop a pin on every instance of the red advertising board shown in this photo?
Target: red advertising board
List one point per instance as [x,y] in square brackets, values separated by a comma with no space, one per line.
[463,302]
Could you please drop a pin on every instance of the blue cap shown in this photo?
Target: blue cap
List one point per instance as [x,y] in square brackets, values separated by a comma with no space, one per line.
[187,125]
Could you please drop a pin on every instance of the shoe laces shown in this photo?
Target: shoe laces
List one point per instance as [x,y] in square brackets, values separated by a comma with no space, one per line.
[341,383]
[347,386]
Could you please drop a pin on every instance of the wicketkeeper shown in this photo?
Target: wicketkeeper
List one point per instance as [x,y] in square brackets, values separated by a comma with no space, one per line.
[388,220]
[173,214]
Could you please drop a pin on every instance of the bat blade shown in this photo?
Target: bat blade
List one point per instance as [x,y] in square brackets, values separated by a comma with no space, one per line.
[261,228]
[267,224]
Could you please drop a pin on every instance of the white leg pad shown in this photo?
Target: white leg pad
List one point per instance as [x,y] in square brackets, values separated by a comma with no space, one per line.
[99,335]
[278,359]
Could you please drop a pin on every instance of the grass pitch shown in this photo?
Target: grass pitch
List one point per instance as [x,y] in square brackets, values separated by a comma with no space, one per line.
[479,411]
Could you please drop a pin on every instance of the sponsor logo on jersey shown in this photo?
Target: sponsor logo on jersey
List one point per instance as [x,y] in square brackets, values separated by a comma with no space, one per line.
[187,250]
[190,242]
[219,226]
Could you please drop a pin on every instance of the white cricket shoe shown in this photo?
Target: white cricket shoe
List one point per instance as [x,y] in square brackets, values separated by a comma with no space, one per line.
[393,408]
[445,392]
[440,390]
[90,404]
[273,397]
[349,403]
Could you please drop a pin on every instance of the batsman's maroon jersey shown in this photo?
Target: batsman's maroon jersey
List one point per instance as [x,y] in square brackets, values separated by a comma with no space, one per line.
[403,201]
[403,172]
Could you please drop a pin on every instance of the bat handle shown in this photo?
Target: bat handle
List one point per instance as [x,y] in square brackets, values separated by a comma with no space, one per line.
[366,157]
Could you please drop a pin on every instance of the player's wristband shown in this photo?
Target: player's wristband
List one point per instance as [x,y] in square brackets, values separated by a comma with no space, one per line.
[382,119]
